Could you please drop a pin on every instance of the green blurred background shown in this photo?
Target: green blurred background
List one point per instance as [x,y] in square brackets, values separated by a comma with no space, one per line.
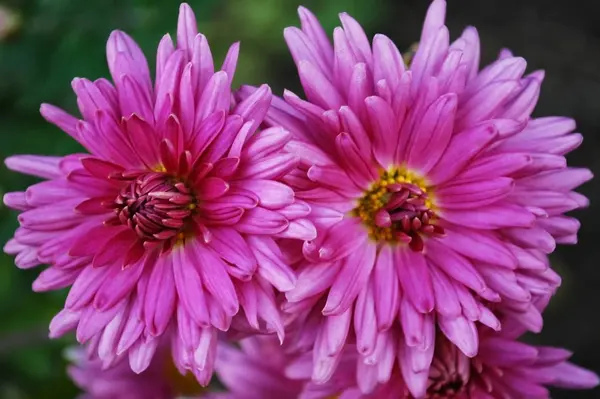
[45,43]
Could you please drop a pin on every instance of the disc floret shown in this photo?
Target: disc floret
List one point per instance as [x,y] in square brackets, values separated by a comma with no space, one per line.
[398,208]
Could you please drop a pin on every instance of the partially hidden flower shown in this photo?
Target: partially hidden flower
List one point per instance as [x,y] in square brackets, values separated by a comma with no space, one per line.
[161,380]
[505,367]
[435,194]
[260,368]
[168,226]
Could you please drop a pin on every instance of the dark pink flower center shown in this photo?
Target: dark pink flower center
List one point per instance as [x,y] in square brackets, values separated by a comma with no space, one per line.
[445,389]
[450,373]
[156,206]
[398,208]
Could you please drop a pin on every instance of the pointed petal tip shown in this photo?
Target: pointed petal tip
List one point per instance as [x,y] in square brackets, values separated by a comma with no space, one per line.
[116,35]
[329,310]
[305,12]
[587,175]
[221,76]
[471,31]
[379,37]
[264,92]
[289,93]
[44,107]
[290,31]
[8,161]
[186,15]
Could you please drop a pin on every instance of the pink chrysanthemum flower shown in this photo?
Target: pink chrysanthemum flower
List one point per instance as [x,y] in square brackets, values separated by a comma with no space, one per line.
[503,368]
[435,194]
[169,224]
[161,380]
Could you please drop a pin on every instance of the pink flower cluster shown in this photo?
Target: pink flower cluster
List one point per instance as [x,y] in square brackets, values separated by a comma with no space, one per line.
[385,235]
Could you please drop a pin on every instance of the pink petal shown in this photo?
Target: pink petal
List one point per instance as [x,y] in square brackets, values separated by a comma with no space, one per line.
[215,278]
[413,272]
[352,277]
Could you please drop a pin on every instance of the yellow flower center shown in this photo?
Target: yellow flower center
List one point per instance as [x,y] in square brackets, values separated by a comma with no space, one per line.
[398,208]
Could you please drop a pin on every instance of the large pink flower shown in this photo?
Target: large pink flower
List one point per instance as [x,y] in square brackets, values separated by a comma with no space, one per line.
[169,224]
[435,195]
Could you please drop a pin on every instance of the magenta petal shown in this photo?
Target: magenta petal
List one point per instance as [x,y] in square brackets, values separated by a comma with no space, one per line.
[85,287]
[385,128]
[361,172]
[415,382]
[338,242]
[232,247]
[60,118]
[312,280]
[54,279]
[51,217]
[142,136]
[216,96]
[491,217]
[352,277]
[186,27]
[141,354]
[267,142]
[434,133]
[415,280]
[480,246]
[271,265]
[161,296]
[189,286]
[92,240]
[271,167]
[230,61]
[461,149]
[387,61]
[386,289]
[215,278]
[456,266]
[446,299]
[271,194]
[93,321]
[495,165]
[212,188]
[318,88]
[568,375]
[119,284]
[299,229]
[113,252]
[261,221]
[474,194]
[189,332]
[34,165]
[462,333]
[365,323]
[15,200]
[207,132]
